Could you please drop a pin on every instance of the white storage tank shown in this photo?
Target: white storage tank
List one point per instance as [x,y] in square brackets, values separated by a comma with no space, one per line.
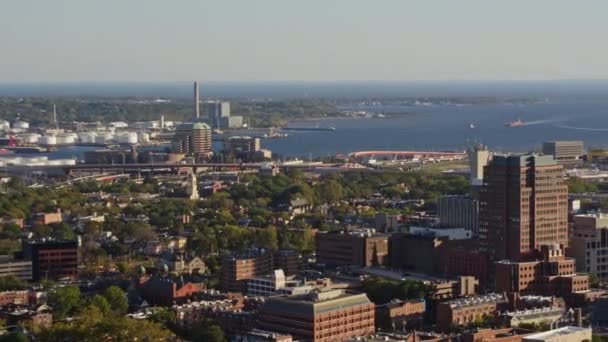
[87,137]
[19,124]
[127,138]
[48,140]
[65,139]
[143,137]
[4,125]
[104,138]
[28,138]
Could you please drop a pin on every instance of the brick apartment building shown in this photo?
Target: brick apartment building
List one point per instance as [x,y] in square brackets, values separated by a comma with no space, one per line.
[52,259]
[358,247]
[400,314]
[463,311]
[320,316]
[165,290]
[237,268]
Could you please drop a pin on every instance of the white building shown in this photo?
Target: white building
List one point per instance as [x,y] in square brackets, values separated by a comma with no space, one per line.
[126,138]
[48,140]
[5,125]
[266,285]
[29,138]
[119,124]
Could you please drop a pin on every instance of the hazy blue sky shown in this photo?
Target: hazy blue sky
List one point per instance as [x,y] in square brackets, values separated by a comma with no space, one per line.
[246,40]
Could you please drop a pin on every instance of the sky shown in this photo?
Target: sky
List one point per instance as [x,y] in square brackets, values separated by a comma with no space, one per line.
[311,40]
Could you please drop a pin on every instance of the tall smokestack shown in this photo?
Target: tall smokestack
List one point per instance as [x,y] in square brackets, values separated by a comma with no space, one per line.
[55,116]
[197,111]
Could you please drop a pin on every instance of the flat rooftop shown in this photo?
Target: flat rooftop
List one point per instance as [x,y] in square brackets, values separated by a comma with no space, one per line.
[555,333]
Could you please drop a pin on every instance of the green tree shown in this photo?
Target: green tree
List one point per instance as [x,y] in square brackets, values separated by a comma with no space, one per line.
[101,303]
[207,331]
[330,192]
[10,283]
[14,337]
[64,300]
[117,299]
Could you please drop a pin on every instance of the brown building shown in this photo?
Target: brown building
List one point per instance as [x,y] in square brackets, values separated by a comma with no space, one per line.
[496,335]
[15,298]
[552,275]
[52,259]
[286,260]
[523,205]
[165,290]
[239,267]
[467,310]
[49,218]
[405,251]
[400,314]
[361,247]
[332,315]
[464,258]
[567,153]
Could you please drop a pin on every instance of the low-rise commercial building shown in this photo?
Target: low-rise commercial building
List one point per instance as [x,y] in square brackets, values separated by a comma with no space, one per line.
[399,314]
[567,153]
[286,260]
[405,251]
[332,315]
[21,269]
[267,285]
[237,268]
[360,247]
[52,259]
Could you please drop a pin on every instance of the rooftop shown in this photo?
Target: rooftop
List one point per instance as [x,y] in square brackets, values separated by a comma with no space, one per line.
[476,300]
[556,333]
[315,302]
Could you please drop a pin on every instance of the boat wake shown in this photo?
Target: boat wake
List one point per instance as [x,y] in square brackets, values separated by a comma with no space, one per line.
[582,128]
[540,122]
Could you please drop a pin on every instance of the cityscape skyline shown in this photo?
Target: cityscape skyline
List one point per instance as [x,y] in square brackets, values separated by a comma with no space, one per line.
[272,41]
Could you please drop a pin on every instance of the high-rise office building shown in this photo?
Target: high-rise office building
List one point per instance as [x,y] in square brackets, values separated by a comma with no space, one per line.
[192,138]
[523,205]
[567,153]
